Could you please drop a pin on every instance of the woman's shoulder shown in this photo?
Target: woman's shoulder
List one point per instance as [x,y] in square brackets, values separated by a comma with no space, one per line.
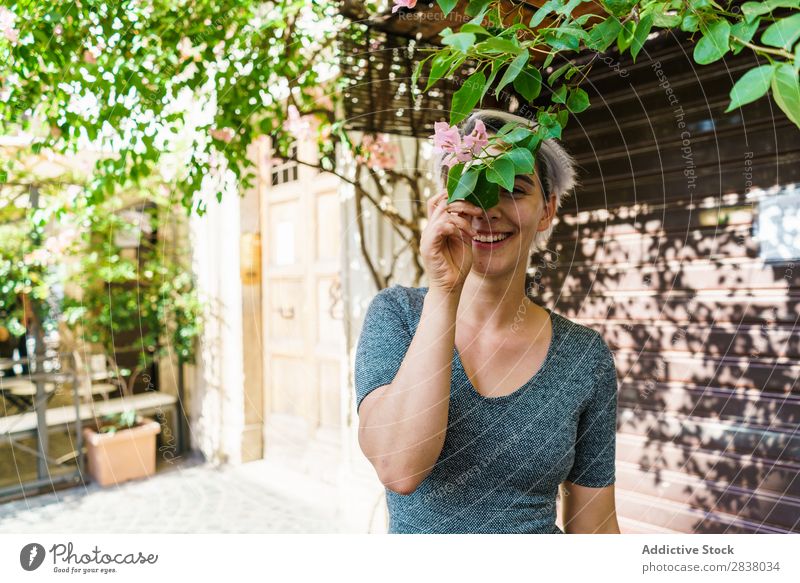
[406,300]
[579,337]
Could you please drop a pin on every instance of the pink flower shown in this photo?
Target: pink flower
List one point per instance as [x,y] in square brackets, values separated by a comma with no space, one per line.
[222,134]
[477,139]
[398,4]
[7,21]
[445,137]
[378,152]
[40,256]
[296,125]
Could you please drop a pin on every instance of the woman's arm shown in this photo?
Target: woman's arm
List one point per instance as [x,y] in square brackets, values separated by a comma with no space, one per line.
[402,425]
[588,510]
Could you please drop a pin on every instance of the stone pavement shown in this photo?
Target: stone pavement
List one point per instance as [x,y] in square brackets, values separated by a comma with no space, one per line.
[190,497]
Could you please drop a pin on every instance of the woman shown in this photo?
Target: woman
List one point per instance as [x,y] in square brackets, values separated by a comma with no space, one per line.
[474,403]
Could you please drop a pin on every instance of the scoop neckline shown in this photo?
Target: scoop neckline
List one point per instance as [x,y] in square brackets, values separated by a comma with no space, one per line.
[551,349]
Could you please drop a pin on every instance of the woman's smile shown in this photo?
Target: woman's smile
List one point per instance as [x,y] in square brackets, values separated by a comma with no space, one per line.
[491,239]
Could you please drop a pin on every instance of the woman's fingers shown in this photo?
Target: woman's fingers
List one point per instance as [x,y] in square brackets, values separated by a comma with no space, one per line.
[461,206]
[436,202]
[462,223]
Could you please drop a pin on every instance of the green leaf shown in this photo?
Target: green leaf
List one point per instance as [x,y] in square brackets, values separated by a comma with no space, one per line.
[640,36]
[750,86]
[529,83]
[797,57]
[563,39]
[498,45]
[562,116]
[486,194]
[553,77]
[743,31]
[560,94]
[603,34]
[714,43]
[517,134]
[620,7]
[548,126]
[690,23]
[439,66]
[447,5]
[568,7]
[782,33]
[496,66]
[578,100]
[417,71]
[512,71]
[477,8]
[753,9]
[466,184]
[786,90]
[474,28]
[625,36]
[453,176]
[465,99]
[461,41]
[502,172]
[522,160]
[543,11]
[662,20]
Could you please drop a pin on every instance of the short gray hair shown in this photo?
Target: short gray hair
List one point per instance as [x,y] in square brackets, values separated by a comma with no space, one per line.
[555,167]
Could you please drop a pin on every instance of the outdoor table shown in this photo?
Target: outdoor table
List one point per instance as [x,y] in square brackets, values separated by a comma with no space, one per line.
[40,397]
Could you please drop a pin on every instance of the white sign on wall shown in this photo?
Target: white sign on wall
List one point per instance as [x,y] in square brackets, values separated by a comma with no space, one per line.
[778,227]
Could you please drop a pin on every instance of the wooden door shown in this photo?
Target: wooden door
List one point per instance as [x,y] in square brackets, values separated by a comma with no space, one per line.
[304,334]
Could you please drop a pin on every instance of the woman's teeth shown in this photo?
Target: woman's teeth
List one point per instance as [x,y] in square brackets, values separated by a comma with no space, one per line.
[490,238]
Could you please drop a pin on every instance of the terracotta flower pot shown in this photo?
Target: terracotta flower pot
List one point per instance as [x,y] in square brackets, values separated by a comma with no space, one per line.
[125,455]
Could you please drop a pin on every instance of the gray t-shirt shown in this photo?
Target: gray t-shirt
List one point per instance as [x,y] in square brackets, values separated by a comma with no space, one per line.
[503,457]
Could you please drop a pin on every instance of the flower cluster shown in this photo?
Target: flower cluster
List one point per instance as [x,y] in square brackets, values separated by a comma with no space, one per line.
[398,4]
[7,21]
[377,152]
[448,140]
[296,125]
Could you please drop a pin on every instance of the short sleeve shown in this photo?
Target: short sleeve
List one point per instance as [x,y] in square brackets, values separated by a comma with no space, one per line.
[595,445]
[382,345]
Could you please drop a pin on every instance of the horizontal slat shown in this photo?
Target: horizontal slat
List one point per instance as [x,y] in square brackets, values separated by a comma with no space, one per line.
[684,518]
[778,375]
[631,526]
[739,438]
[720,275]
[643,248]
[710,496]
[712,403]
[720,307]
[670,185]
[768,475]
[637,218]
[706,154]
[751,340]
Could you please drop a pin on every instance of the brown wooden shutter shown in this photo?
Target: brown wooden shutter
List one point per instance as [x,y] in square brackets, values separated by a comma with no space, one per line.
[704,328]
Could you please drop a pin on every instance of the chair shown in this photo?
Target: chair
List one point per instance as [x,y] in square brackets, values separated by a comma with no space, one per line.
[97,376]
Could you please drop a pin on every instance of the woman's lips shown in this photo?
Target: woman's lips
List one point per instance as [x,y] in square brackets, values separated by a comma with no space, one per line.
[495,245]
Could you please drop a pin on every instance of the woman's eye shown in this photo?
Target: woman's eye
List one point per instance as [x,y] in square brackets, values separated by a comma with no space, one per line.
[516,193]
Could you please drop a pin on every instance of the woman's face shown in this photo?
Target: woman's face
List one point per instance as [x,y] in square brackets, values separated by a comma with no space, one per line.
[509,228]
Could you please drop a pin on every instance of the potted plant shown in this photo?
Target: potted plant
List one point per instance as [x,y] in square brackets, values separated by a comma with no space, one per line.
[121,447]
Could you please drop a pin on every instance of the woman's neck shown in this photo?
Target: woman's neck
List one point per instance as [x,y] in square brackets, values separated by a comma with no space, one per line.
[494,304]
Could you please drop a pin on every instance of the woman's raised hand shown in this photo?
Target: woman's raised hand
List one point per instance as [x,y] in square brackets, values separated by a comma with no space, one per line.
[446,245]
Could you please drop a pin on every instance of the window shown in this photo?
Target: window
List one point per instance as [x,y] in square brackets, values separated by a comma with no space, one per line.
[285,171]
